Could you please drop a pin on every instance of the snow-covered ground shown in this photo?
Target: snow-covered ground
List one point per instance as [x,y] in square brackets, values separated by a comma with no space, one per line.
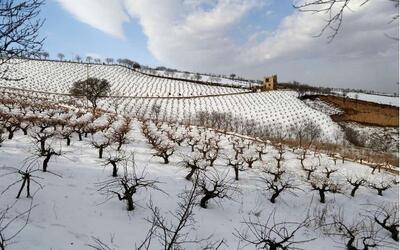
[70,210]
[58,77]
[266,110]
[381,99]
[201,77]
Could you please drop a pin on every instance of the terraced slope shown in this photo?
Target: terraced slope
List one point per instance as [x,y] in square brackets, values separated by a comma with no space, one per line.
[138,94]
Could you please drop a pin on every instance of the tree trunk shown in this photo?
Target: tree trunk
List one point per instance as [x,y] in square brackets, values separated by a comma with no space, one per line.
[322,195]
[42,147]
[250,164]
[115,169]
[236,173]
[308,175]
[353,191]
[395,233]
[68,141]
[273,197]
[28,188]
[45,162]
[101,153]
[129,203]
[166,160]
[22,187]
[10,133]
[212,161]
[204,201]
[190,174]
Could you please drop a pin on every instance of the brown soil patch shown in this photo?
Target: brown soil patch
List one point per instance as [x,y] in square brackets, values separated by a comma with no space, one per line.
[364,112]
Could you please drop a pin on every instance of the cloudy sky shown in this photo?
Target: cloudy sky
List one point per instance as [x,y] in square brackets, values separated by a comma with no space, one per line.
[251,38]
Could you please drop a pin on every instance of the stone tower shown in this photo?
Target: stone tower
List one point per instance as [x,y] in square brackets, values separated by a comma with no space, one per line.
[270,82]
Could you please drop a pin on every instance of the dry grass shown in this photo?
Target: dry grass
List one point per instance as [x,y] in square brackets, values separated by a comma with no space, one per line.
[363,112]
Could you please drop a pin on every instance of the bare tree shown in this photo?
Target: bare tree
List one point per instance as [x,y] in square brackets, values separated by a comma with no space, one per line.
[114,160]
[357,235]
[238,147]
[40,138]
[45,55]
[280,158]
[120,135]
[193,141]
[272,235]
[89,59]
[261,150]
[380,186]
[109,60]
[387,216]
[26,176]
[126,186]
[8,229]
[276,187]
[324,185]
[99,245]
[215,185]
[250,157]
[176,234]
[356,183]
[328,171]
[310,170]
[61,56]
[19,32]
[195,162]
[47,153]
[164,150]
[333,12]
[11,124]
[101,145]
[237,166]
[66,134]
[306,134]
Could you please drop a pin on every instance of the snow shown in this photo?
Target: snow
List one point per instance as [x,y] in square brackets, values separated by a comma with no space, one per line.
[70,210]
[205,78]
[58,77]
[136,94]
[381,99]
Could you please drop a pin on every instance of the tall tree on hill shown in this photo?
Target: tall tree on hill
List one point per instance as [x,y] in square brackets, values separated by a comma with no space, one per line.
[60,56]
[19,32]
[92,89]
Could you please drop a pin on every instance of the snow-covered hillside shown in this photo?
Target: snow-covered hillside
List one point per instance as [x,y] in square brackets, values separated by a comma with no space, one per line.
[70,212]
[205,78]
[389,100]
[258,111]
[381,99]
[58,77]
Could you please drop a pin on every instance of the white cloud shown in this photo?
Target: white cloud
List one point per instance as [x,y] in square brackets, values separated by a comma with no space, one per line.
[105,15]
[181,33]
[199,35]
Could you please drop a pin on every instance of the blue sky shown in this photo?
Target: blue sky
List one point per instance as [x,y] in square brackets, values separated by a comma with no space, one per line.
[66,34]
[251,38]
